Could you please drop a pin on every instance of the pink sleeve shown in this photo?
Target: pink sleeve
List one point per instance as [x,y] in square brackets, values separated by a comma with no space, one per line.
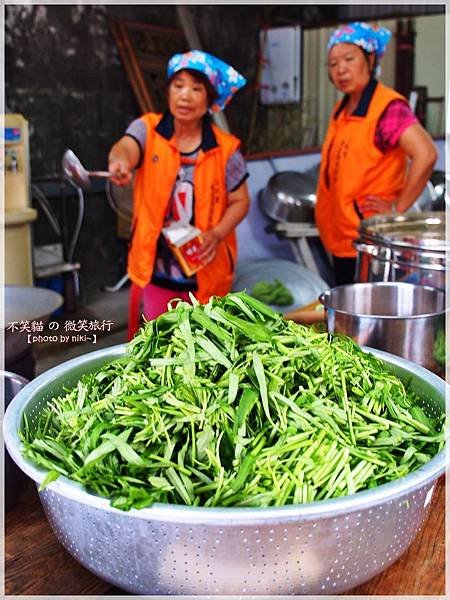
[397,117]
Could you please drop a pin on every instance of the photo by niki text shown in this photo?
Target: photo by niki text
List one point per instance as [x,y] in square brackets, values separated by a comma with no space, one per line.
[69,331]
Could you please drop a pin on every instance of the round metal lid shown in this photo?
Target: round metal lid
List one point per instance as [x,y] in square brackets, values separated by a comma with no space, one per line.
[29,303]
[425,230]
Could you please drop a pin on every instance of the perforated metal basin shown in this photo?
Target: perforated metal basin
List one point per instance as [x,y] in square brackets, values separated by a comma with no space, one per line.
[324,547]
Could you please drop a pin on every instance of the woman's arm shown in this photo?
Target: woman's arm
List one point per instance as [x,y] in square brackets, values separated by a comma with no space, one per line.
[419,147]
[123,158]
[237,208]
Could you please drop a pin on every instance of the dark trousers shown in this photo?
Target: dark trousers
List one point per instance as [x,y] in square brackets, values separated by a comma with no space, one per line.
[344,270]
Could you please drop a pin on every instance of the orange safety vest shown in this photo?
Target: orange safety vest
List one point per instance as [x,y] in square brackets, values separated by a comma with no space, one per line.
[153,186]
[352,167]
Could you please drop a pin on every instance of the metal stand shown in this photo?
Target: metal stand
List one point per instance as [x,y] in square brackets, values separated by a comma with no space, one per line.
[303,239]
[296,234]
[117,286]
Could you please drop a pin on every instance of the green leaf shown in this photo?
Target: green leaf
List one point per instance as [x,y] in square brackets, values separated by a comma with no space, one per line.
[261,377]
[247,401]
[213,351]
[233,386]
[51,476]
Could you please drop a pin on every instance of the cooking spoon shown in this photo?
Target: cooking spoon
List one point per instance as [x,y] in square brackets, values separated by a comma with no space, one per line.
[76,173]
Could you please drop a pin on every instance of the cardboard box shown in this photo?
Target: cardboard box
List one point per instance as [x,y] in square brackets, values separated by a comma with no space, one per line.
[188,255]
[185,242]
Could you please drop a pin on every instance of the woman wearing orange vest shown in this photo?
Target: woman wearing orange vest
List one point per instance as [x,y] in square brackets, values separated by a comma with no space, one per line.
[371,134]
[189,174]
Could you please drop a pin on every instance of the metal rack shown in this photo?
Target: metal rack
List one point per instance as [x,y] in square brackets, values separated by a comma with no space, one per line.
[306,246]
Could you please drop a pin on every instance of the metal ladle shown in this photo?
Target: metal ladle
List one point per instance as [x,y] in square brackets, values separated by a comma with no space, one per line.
[76,173]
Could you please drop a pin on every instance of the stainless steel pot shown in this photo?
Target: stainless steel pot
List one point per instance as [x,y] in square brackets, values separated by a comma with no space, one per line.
[289,197]
[409,247]
[439,183]
[14,478]
[324,547]
[405,319]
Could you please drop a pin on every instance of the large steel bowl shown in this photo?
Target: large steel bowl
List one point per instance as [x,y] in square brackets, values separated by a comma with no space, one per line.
[304,285]
[289,197]
[324,547]
[402,318]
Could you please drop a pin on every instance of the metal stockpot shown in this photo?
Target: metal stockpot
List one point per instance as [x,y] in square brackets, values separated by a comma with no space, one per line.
[401,318]
[409,247]
[325,547]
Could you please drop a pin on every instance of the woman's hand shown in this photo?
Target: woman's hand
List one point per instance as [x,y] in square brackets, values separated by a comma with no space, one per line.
[419,147]
[121,174]
[375,204]
[237,208]
[123,158]
[208,249]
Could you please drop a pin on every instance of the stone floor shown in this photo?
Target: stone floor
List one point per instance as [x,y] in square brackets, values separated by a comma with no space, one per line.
[109,307]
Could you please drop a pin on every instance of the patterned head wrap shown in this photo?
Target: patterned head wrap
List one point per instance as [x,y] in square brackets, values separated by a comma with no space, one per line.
[224,79]
[363,35]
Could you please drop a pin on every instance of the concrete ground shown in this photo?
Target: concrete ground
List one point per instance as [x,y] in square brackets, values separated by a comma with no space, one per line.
[110,311]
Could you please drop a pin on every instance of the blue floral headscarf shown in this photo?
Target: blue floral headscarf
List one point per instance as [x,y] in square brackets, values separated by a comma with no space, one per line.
[225,80]
[368,38]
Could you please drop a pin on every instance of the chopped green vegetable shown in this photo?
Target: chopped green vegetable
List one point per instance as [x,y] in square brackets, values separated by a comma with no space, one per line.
[275,293]
[229,404]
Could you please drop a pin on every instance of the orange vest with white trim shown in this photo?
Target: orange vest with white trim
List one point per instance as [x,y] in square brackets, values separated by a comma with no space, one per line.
[154,182]
[352,167]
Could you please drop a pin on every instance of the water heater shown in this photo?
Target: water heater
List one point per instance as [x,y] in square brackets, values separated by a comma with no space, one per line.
[280,49]
[18,213]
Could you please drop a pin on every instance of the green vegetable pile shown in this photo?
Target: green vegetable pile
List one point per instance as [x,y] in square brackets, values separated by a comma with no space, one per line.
[228,404]
[275,293]
[439,350]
